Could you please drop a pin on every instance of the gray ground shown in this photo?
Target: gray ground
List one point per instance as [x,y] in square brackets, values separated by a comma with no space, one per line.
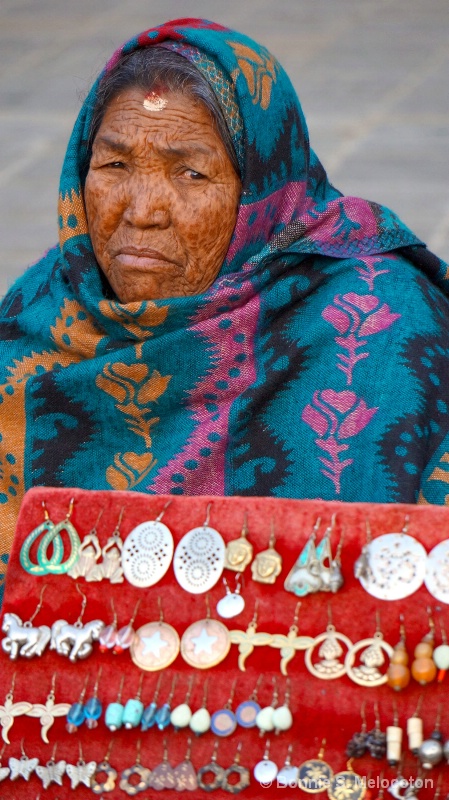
[373,77]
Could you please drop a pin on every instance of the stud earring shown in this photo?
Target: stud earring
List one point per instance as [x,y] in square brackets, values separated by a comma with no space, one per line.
[315,775]
[185,775]
[205,643]
[81,772]
[214,769]
[224,721]
[329,652]
[155,645]
[22,767]
[267,564]
[111,564]
[249,639]
[10,710]
[266,770]
[162,776]
[182,714]
[75,641]
[132,713]
[239,552]
[398,673]
[114,712]
[371,658]
[236,769]
[53,772]
[50,537]
[232,604]
[104,767]
[246,713]
[47,712]
[147,552]
[291,643]
[423,666]
[88,555]
[58,546]
[200,721]
[22,638]
[287,776]
[143,777]
[198,561]
[149,715]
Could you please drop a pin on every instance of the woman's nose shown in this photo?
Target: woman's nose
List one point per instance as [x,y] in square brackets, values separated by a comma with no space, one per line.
[148,203]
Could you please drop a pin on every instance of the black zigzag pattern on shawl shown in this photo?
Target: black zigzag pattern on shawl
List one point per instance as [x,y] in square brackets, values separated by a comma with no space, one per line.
[51,454]
[279,163]
[264,443]
[80,262]
[9,309]
[426,356]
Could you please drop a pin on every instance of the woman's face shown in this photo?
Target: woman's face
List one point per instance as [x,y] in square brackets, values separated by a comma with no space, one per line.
[161,196]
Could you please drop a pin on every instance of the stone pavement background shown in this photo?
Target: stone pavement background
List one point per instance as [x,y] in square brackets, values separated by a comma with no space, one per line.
[372,75]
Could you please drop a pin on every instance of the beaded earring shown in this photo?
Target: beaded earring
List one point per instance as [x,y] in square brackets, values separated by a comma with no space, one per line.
[88,555]
[108,636]
[249,639]
[291,643]
[357,745]
[163,776]
[184,773]
[200,719]
[47,712]
[440,655]
[198,561]
[143,775]
[398,673]
[81,772]
[53,772]
[239,552]
[224,722]
[104,767]
[132,713]
[114,712]
[76,714]
[267,564]
[371,658]
[415,729]
[22,638]
[376,740]
[162,717]
[10,710]
[125,636]
[149,715]
[147,552]
[181,715]
[423,666]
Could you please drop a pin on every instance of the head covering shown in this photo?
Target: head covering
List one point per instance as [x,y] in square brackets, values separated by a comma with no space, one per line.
[309,368]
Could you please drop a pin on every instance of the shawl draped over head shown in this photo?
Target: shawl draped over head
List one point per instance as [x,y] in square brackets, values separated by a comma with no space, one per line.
[313,366]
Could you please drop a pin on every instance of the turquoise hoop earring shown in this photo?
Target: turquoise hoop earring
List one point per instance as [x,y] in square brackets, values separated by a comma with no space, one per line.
[58,547]
[47,563]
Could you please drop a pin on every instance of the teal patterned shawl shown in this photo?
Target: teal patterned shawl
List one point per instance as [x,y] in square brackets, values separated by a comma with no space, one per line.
[314,366]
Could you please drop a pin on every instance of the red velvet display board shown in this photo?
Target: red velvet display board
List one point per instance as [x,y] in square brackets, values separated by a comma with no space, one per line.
[321,709]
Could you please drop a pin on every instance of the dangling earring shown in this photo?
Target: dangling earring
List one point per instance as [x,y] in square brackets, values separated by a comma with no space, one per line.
[239,552]
[58,546]
[182,714]
[436,578]
[423,666]
[287,776]
[236,769]
[282,716]
[376,740]
[108,636]
[289,644]
[303,577]
[49,538]
[441,655]
[111,774]
[185,775]
[113,718]
[233,603]
[205,643]
[89,554]
[200,720]
[315,774]
[81,772]
[324,557]
[132,713]
[75,641]
[354,785]
[223,721]
[249,639]
[214,768]
[162,717]
[53,772]
[266,770]
[398,673]
[430,752]
[125,636]
[246,713]
[22,767]
[357,745]
[264,719]
[415,729]
[143,774]
[4,771]
[155,645]
[47,713]
[22,639]
[162,776]
[149,715]
[394,741]
[328,667]
[147,552]
[76,714]
[93,709]
[267,564]
[10,710]
[198,561]
[371,658]
[111,564]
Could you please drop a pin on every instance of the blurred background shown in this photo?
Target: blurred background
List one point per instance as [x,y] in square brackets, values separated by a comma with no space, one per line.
[372,76]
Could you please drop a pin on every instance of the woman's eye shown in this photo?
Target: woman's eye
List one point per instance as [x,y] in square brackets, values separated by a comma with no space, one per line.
[194,175]
[115,164]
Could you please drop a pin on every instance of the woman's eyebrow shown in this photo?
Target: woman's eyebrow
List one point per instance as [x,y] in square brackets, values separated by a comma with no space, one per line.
[113,144]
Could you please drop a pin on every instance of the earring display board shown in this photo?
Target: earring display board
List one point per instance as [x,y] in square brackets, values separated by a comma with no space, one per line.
[326,711]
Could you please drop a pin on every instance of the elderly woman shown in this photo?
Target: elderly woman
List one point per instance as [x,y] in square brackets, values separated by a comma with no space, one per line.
[217,318]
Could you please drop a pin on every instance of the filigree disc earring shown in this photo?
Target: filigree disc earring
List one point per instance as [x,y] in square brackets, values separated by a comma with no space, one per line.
[147,552]
[397,565]
[199,558]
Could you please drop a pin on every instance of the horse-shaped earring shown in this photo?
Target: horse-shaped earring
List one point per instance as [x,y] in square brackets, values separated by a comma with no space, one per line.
[23,638]
[75,641]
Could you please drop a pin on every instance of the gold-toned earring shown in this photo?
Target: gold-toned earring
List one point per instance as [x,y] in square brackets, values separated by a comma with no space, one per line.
[315,774]
[290,643]
[239,552]
[155,645]
[354,785]
[267,564]
[10,710]
[47,712]
[330,650]
[372,657]
[249,639]
[206,642]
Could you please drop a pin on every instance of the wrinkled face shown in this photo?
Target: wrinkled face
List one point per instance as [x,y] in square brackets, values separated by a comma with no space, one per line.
[161,196]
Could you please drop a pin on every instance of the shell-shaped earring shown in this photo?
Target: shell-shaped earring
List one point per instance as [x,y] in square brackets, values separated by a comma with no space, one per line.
[47,712]
[330,650]
[22,638]
[371,657]
[181,715]
[198,561]
[291,643]
[10,710]
[200,719]
[224,721]
[185,775]
[104,768]
[249,639]
[267,565]
[143,776]
[163,776]
[239,552]
[75,641]
[88,555]
[53,772]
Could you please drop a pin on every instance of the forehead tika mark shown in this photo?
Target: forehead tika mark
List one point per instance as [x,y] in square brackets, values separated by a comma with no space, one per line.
[154,102]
